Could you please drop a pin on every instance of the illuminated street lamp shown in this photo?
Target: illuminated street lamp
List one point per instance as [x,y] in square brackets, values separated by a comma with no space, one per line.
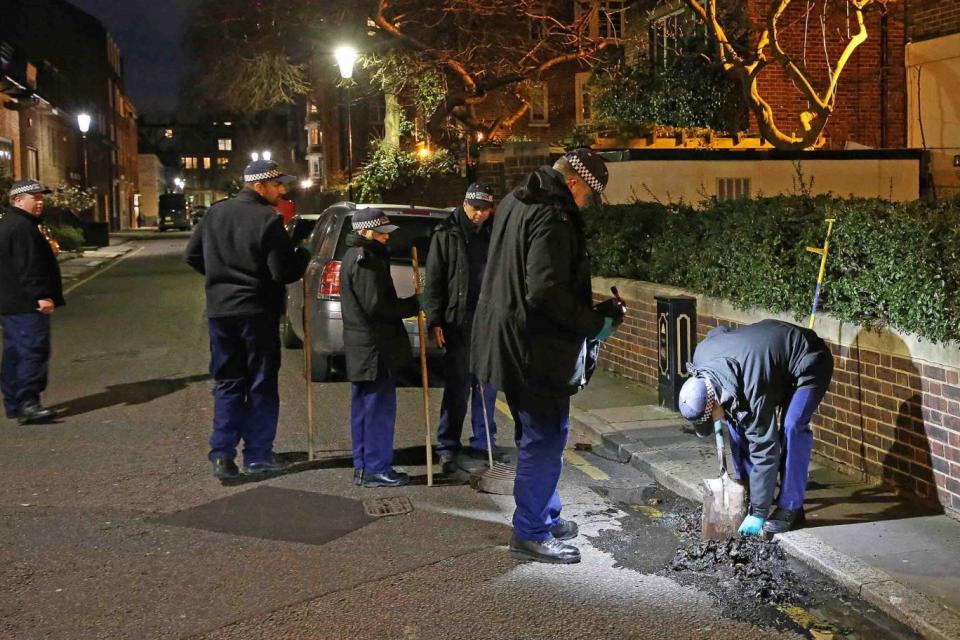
[180,183]
[306,184]
[83,123]
[266,155]
[346,57]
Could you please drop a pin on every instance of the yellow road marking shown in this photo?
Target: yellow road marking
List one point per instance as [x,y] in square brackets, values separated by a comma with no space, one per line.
[96,273]
[571,457]
[819,629]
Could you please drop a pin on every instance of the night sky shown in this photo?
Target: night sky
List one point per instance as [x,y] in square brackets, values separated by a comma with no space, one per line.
[150,36]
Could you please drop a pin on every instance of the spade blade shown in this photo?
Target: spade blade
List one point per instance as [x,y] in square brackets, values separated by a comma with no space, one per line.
[724,507]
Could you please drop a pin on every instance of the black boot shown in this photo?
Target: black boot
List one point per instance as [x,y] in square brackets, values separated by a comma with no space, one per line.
[391,478]
[225,468]
[34,412]
[564,529]
[784,520]
[270,465]
[551,550]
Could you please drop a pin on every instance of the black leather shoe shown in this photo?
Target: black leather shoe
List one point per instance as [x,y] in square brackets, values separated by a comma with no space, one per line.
[270,465]
[551,550]
[391,478]
[225,468]
[564,529]
[499,455]
[784,520]
[358,477]
[448,463]
[35,412]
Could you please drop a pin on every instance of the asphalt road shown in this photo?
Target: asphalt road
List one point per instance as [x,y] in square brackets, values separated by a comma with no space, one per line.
[112,527]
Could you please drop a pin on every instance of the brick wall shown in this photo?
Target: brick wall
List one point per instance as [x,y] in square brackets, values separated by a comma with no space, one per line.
[933,19]
[440,191]
[888,416]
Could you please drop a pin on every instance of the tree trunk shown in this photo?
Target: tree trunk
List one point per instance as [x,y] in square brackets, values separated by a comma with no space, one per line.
[392,116]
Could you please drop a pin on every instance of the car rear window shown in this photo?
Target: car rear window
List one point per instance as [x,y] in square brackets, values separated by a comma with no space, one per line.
[413,231]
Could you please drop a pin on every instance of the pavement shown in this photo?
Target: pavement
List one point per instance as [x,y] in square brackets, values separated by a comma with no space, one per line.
[76,266]
[895,553]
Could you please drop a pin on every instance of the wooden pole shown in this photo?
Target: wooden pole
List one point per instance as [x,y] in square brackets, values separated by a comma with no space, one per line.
[422,330]
[308,361]
[822,252]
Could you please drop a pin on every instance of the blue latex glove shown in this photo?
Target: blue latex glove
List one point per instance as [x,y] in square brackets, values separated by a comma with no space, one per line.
[752,525]
[422,300]
[607,329]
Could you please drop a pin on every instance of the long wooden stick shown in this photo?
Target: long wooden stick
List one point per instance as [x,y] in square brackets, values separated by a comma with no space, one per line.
[822,252]
[308,362]
[422,329]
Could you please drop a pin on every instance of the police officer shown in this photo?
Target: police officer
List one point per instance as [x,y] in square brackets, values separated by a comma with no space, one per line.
[455,266]
[538,342]
[740,378]
[247,257]
[30,290]
[376,345]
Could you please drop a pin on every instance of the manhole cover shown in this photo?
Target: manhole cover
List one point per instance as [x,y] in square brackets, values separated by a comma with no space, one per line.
[381,507]
[498,480]
[276,514]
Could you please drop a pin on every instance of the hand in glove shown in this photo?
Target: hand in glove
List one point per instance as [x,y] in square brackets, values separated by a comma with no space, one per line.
[752,525]
[606,331]
[612,308]
[422,300]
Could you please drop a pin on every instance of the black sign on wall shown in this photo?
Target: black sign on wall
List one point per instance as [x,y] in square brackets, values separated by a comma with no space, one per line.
[676,341]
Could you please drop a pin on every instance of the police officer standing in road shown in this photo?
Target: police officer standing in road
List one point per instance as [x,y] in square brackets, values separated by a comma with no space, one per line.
[541,334]
[455,267]
[739,380]
[30,290]
[247,257]
[376,345]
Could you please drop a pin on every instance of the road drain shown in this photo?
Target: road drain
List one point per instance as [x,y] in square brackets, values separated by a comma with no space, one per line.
[382,507]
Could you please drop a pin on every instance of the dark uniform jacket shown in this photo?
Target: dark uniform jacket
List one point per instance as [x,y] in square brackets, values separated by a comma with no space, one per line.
[457,259]
[755,370]
[246,255]
[535,303]
[373,331]
[28,269]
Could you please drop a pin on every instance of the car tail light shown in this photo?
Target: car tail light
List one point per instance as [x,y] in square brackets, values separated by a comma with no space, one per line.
[329,281]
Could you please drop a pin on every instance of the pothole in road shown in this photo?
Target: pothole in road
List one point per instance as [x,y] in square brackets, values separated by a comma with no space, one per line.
[751,580]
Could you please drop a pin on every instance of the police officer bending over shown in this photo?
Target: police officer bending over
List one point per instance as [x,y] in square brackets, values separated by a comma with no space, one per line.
[376,345]
[30,291]
[455,266]
[740,377]
[247,257]
[539,337]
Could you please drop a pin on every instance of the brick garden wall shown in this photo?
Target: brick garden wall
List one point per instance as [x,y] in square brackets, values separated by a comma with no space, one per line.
[889,416]
[933,19]
[440,191]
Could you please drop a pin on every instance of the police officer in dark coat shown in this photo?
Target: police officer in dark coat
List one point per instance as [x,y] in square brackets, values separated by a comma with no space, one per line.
[740,378]
[539,337]
[30,291]
[247,257]
[455,267]
[376,345]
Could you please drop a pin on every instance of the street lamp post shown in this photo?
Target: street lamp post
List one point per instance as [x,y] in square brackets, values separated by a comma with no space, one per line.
[346,57]
[83,123]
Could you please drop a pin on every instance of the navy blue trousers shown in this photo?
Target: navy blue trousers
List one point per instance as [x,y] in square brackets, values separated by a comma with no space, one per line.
[373,415]
[26,352]
[796,439]
[460,387]
[542,428]
[244,362]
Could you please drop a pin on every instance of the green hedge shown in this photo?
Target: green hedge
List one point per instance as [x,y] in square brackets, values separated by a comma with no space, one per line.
[890,263]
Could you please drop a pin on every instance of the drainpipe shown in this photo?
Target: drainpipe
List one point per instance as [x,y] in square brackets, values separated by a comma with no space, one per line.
[884,77]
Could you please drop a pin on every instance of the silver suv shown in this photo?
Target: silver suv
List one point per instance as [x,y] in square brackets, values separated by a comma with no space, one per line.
[327,244]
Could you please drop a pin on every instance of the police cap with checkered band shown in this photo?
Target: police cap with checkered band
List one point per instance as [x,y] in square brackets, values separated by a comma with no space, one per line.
[21,187]
[265,170]
[590,167]
[373,219]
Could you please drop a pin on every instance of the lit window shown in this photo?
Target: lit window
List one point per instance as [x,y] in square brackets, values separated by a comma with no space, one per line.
[189,162]
[225,144]
[222,162]
[168,133]
[313,136]
[608,22]
[539,104]
[207,162]
[315,168]
[312,108]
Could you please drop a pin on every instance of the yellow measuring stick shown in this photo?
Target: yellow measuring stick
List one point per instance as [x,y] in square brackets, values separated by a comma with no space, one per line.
[822,252]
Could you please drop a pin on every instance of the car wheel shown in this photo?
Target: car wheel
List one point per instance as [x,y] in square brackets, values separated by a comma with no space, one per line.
[288,338]
[321,369]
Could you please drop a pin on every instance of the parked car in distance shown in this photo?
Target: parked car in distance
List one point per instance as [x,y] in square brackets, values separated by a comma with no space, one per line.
[327,244]
[174,212]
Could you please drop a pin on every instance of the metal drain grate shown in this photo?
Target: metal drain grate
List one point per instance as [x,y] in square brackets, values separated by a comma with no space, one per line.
[498,480]
[382,507]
